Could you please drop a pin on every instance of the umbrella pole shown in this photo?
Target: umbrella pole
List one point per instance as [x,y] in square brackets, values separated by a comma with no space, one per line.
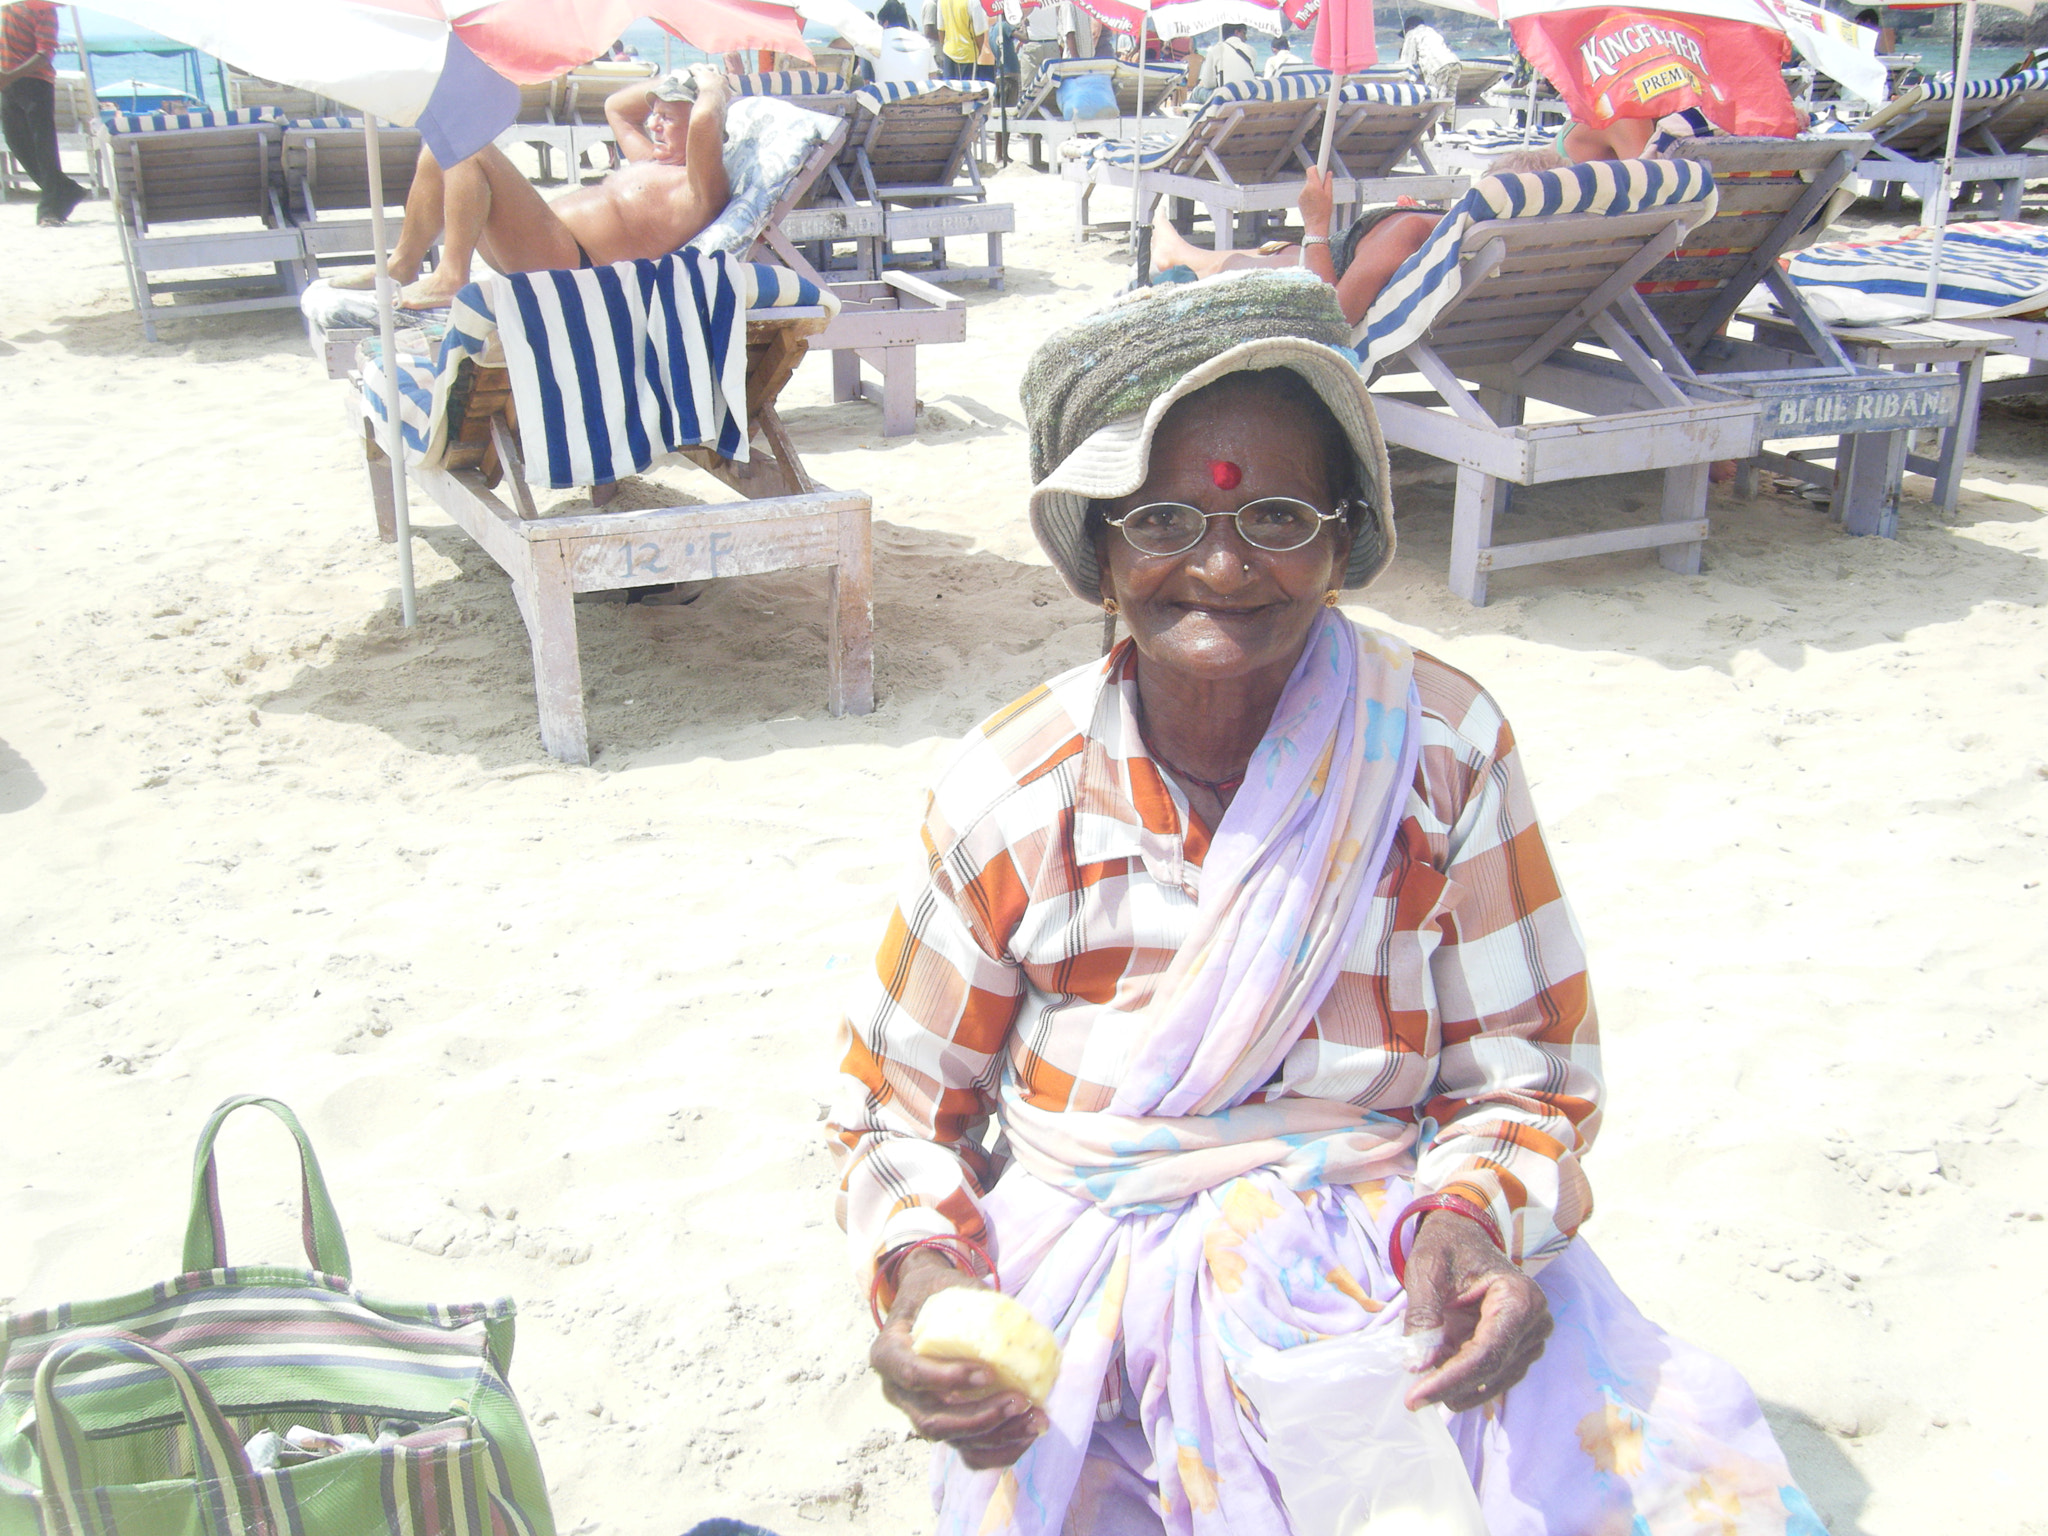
[387,329]
[1139,243]
[1948,160]
[1329,138]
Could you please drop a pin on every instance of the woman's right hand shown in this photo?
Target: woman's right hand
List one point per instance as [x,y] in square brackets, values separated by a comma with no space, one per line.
[956,1401]
[1317,202]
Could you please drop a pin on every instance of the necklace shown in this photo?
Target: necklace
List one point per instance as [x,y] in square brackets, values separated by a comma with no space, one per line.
[1217,787]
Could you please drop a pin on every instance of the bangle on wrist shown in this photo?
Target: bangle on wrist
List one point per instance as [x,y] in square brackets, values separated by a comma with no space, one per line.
[1315,239]
[962,1253]
[1457,1205]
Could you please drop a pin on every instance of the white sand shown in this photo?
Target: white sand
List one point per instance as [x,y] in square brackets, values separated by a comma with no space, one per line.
[564,1033]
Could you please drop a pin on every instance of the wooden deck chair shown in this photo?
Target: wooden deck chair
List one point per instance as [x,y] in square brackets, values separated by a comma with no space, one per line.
[883,318]
[1776,195]
[1164,85]
[497,408]
[914,155]
[197,191]
[839,232]
[327,186]
[1480,76]
[1999,119]
[1245,152]
[1486,313]
[1038,119]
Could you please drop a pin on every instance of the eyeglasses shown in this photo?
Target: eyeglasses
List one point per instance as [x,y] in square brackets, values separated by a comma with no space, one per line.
[1272,523]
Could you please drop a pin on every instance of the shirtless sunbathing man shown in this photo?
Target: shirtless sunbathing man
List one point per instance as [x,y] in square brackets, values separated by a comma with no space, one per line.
[672,133]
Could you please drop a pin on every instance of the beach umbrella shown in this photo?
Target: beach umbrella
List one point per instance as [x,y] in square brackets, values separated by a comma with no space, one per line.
[1344,43]
[1721,56]
[451,68]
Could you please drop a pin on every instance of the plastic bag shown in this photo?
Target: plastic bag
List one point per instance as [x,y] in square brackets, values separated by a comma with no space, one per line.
[1350,1459]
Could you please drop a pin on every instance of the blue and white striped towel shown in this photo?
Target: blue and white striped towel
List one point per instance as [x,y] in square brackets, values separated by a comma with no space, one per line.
[788,82]
[611,367]
[173,122]
[1426,282]
[966,94]
[1986,270]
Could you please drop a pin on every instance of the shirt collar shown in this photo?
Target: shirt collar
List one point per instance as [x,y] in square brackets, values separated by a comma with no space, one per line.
[1124,807]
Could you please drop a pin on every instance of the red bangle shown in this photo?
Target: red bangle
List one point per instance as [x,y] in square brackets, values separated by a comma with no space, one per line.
[1456,1204]
[975,1257]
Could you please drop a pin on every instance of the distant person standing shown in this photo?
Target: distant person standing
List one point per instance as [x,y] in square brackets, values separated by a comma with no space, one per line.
[1887,37]
[1429,57]
[28,105]
[1230,62]
[965,27]
[1283,55]
[900,56]
[1049,33]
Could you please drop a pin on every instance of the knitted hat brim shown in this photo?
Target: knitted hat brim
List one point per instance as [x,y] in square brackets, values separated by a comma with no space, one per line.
[1114,460]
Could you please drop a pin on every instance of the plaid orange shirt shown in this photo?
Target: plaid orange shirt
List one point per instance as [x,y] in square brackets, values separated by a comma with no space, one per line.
[29,28]
[1062,874]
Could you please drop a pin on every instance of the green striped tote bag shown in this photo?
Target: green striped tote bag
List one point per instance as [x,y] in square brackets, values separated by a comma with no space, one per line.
[264,1401]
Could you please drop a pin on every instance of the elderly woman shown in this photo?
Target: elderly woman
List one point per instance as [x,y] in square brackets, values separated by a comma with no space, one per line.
[1247,940]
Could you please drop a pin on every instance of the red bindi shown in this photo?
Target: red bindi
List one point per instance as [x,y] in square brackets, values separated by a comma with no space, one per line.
[1226,474]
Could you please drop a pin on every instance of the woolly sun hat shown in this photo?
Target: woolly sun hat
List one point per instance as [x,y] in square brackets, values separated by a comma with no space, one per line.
[1095,391]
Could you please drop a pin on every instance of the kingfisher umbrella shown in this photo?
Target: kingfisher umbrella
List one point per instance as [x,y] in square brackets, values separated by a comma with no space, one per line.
[451,68]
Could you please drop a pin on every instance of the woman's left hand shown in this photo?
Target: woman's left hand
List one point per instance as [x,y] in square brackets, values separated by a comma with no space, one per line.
[1494,1318]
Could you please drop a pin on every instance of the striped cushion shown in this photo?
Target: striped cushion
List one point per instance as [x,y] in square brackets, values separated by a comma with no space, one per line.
[875,97]
[789,82]
[1986,269]
[1427,281]
[304,124]
[1153,147]
[1400,93]
[1297,87]
[1987,90]
[171,122]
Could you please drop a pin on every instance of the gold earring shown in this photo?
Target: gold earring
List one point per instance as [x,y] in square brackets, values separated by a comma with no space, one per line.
[1109,606]
[1330,598]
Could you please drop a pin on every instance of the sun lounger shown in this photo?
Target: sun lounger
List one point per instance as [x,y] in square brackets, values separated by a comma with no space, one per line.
[914,159]
[1486,313]
[327,187]
[539,126]
[1775,196]
[501,404]
[882,320]
[829,217]
[200,191]
[1039,120]
[1247,150]
[584,92]
[288,101]
[2000,118]
[1152,88]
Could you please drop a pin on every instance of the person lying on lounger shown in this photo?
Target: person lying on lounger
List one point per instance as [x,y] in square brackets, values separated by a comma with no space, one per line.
[672,133]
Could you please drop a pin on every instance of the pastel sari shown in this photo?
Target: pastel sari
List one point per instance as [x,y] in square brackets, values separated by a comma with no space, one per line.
[1182,1228]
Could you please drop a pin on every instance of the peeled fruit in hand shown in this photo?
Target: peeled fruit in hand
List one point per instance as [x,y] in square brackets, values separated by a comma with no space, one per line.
[972,1322]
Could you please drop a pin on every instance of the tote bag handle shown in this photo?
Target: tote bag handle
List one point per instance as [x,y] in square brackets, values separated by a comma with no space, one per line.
[230,1503]
[320,1228]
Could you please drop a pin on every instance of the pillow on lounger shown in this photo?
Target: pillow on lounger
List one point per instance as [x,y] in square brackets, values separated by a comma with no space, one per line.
[766,144]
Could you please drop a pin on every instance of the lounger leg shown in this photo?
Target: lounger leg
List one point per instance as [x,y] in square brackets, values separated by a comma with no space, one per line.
[995,259]
[1480,498]
[845,374]
[899,391]
[557,669]
[378,467]
[1955,440]
[1867,473]
[1685,498]
[852,640]
[2009,195]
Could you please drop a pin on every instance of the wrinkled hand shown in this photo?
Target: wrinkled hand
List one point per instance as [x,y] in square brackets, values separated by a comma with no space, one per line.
[956,1401]
[1494,1318]
[1317,201]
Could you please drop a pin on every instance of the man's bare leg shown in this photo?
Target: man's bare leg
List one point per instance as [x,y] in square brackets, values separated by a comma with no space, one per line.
[1170,248]
[422,228]
[488,206]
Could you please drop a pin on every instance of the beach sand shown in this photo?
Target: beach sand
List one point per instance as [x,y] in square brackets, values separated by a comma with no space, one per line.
[566,1034]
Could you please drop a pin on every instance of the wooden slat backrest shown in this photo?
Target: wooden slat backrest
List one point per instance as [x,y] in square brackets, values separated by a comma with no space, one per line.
[1255,141]
[1550,265]
[1042,100]
[585,90]
[1921,133]
[195,173]
[538,101]
[1759,184]
[332,167]
[75,109]
[921,141]
[1373,137]
[1158,85]
[2020,121]
[249,91]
